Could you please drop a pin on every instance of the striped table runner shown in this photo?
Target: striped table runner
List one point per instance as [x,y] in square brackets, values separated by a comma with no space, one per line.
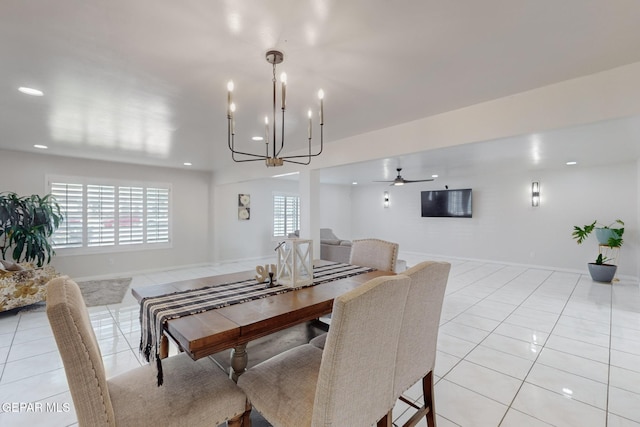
[156,311]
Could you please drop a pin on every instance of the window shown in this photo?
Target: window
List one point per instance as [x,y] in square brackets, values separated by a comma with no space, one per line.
[70,199]
[110,215]
[131,215]
[101,215]
[157,215]
[286,214]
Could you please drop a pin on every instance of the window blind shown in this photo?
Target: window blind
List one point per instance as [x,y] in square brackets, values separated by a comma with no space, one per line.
[286,215]
[130,215]
[70,198]
[108,215]
[157,215]
[101,215]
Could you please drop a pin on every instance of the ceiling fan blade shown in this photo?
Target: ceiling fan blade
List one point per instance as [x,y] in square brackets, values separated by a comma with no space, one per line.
[408,181]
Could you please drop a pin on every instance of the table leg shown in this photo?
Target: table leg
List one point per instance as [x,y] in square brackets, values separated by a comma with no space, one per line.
[242,420]
[246,417]
[164,347]
[239,361]
[235,422]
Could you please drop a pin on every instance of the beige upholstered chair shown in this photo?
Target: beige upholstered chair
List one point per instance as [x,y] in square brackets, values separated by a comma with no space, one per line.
[194,393]
[374,253]
[419,335]
[351,382]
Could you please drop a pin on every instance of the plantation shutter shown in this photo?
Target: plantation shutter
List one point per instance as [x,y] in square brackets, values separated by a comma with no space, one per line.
[286,215]
[157,215]
[110,214]
[101,215]
[70,199]
[130,215]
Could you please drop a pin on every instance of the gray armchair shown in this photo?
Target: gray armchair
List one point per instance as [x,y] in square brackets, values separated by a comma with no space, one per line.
[333,248]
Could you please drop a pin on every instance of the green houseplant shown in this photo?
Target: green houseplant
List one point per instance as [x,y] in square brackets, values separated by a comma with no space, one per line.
[607,235]
[26,225]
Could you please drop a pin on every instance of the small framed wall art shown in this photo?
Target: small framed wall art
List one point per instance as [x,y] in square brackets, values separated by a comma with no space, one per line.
[244,207]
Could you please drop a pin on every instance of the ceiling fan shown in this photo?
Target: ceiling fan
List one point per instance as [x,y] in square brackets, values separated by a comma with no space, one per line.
[401,181]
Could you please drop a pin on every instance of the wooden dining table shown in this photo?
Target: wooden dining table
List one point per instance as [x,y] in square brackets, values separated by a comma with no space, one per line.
[232,327]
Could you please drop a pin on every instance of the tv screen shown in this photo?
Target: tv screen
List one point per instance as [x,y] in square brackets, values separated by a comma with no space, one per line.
[446,203]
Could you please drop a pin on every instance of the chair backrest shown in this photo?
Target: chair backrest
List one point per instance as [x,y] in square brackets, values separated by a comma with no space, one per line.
[80,353]
[374,253]
[355,381]
[420,323]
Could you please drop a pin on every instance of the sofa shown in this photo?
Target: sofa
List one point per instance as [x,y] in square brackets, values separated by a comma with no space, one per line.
[333,248]
[24,286]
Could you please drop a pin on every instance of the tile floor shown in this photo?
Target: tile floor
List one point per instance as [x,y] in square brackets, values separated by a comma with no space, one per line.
[517,347]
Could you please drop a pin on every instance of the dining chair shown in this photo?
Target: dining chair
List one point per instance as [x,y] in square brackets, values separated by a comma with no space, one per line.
[351,382]
[374,253]
[418,336]
[416,354]
[194,392]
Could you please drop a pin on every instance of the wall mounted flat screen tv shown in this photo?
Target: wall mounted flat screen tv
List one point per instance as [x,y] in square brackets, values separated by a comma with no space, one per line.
[446,203]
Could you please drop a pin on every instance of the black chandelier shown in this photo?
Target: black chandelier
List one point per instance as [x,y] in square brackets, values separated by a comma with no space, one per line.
[274,158]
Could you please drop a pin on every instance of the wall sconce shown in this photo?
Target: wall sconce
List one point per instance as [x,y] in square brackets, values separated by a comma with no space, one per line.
[535,194]
[386,199]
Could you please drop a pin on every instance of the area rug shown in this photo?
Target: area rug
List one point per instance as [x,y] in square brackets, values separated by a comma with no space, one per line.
[104,292]
[94,292]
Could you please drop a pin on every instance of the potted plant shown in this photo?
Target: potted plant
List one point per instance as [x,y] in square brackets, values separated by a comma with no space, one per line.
[608,236]
[26,225]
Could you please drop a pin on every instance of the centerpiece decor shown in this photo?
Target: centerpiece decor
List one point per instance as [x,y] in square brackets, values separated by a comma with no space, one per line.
[295,263]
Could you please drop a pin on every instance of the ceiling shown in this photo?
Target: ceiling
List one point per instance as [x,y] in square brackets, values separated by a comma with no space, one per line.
[144,82]
[601,143]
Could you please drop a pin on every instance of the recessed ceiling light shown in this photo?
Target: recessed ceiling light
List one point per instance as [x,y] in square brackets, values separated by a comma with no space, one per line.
[571,163]
[354,183]
[30,91]
[187,164]
[40,146]
[257,138]
[434,176]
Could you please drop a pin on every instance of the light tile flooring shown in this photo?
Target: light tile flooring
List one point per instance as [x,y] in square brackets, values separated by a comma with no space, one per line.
[517,347]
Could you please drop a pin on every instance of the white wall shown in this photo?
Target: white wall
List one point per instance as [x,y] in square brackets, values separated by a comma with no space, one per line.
[24,173]
[235,239]
[505,227]
[335,209]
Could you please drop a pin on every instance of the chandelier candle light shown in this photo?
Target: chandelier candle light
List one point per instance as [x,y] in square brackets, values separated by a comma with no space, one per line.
[273,57]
